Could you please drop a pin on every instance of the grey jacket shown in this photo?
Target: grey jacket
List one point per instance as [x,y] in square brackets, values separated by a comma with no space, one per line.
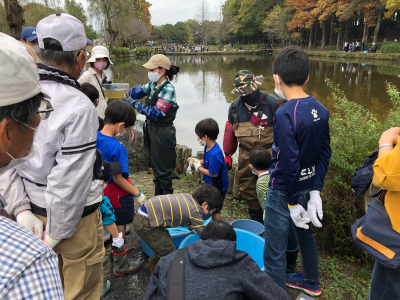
[173,211]
[216,270]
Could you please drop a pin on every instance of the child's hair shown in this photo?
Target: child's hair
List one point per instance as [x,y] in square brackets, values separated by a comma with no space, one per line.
[211,195]
[218,230]
[292,66]
[279,103]
[208,127]
[120,111]
[259,157]
[174,70]
[90,91]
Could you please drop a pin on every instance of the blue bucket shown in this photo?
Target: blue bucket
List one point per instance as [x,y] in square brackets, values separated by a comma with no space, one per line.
[177,233]
[246,241]
[249,225]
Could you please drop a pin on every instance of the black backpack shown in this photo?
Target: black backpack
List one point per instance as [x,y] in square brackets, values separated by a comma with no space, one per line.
[363,175]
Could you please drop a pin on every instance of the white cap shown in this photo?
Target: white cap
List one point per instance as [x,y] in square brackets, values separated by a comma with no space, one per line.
[99,52]
[66,29]
[18,72]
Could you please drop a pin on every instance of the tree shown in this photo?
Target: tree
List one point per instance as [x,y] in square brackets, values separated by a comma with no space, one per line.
[203,17]
[276,24]
[139,31]
[181,33]
[15,17]
[34,12]
[195,29]
[90,32]
[226,23]
[75,9]
[167,32]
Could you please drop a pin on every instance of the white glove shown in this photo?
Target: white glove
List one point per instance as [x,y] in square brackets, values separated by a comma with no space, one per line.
[27,219]
[141,199]
[197,165]
[315,207]
[49,241]
[299,216]
[194,162]
[119,241]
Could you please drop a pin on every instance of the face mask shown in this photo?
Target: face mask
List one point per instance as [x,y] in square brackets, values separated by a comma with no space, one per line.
[252,171]
[252,99]
[202,143]
[120,134]
[16,161]
[154,76]
[36,48]
[279,92]
[100,65]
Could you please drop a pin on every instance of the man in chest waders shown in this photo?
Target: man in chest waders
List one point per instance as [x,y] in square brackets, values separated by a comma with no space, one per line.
[160,109]
[250,121]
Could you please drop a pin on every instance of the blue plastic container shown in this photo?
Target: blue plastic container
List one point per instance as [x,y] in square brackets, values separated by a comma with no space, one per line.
[246,241]
[177,233]
[249,225]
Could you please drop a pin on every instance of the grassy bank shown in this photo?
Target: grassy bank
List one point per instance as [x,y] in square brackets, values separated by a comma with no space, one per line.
[354,55]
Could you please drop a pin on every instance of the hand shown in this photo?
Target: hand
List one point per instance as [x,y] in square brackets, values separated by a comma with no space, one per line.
[141,199]
[194,162]
[299,216]
[119,241]
[49,241]
[314,208]
[27,219]
[228,162]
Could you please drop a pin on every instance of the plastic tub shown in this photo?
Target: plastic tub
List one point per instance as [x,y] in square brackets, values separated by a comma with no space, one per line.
[116,90]
[246,241]
[249,225]
[178,235]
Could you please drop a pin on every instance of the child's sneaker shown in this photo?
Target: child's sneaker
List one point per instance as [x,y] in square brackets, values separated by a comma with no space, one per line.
[297,282]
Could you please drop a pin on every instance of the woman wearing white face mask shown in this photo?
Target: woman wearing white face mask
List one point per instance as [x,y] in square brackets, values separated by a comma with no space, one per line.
[160,109]
[99,61]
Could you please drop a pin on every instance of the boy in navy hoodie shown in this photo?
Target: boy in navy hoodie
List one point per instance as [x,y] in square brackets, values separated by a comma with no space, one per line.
[298,170]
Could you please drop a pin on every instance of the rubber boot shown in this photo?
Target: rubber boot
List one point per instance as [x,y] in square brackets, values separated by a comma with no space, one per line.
[256,215]
[158,190]
[291,259]
[152,266]
[121,264]
[106,287]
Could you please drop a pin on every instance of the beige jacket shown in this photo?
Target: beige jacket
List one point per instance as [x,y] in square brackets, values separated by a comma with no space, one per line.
[90,76]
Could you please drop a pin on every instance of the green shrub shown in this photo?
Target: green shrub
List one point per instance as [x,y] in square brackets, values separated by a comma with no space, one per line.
[355,133]
[391,48]
[379,44]
[143,50]
[120,51]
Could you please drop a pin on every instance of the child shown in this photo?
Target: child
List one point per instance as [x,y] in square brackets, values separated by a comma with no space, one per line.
[297,177]
[214,169]
[93,94]
[119,115]
[163,211]
[259,159]
[111,236]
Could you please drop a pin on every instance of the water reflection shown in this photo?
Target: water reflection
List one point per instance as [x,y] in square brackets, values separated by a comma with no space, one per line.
[204,85]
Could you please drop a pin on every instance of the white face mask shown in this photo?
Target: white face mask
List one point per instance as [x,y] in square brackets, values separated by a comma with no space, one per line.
[279,92]
[36,48]
[120,134]
[252,171]
[16,161]
[153,76]
[202,143]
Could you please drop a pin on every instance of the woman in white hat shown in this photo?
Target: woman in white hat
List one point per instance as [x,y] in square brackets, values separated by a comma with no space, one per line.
[99,61]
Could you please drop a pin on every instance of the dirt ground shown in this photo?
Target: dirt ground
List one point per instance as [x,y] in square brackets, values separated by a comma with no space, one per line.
[341,278]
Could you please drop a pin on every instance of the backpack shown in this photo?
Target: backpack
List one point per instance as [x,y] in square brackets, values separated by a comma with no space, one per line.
[363,175]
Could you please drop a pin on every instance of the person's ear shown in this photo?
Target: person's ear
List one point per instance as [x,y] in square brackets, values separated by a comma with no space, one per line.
[276,79]
[5,142]
[308,78]
[204,206]
[163,71]
[81,59]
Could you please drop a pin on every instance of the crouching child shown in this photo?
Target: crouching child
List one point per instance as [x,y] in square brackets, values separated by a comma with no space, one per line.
[169,211]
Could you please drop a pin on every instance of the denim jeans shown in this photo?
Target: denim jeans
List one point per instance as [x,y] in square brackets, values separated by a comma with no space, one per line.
[385,283]
[278,226]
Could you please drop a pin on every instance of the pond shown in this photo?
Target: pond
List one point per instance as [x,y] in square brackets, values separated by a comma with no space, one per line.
[204,85]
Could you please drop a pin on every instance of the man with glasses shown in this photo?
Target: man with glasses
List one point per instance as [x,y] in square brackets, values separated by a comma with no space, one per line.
[57,190]
[26,263]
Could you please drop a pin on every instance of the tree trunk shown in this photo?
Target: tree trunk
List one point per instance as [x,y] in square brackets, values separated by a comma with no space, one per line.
[338,37]
[366,34]
[331,35]
[378,25]
[112,41]
[346,31]
[323,41]
[316,33]
[311,36]
[15,17]
[365,31]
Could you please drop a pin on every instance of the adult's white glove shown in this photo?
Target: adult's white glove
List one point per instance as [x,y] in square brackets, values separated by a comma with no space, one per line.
[119,241]
[299,216]
[141,199]
[49,241]
[315,207]
[27,219]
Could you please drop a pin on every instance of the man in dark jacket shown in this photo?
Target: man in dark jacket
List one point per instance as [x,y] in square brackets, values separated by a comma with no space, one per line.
[216,270]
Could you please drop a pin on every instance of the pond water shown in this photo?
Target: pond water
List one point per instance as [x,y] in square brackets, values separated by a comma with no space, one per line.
[204,85]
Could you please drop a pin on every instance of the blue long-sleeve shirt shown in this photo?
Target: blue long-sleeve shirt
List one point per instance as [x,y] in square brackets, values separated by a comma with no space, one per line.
[302,158]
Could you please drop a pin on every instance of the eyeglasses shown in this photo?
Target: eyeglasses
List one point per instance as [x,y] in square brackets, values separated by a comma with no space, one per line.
[44,109]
